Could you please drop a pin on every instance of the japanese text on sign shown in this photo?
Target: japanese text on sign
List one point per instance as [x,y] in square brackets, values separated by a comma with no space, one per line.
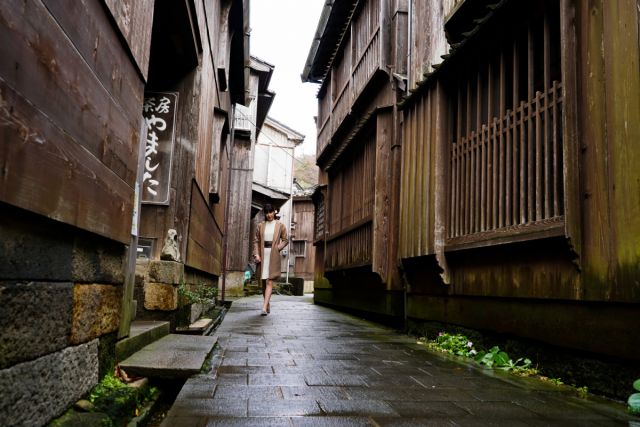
[159,114]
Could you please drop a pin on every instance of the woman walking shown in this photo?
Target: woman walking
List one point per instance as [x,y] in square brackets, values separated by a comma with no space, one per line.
[270,239]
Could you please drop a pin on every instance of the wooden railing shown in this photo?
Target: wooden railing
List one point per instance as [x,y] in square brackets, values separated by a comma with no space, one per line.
[358,62]
[324,137]
[510,174]
[368,63]
[350,248]
[341,107]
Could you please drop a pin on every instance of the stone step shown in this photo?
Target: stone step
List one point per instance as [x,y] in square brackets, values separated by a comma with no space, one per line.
[199,327]
[141,334]
[203,326]
[172,356]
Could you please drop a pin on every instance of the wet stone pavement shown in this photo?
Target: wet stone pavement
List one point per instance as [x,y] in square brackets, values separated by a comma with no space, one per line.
[307,365]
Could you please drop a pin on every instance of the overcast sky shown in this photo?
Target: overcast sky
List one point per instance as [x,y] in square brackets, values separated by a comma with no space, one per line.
[281,34]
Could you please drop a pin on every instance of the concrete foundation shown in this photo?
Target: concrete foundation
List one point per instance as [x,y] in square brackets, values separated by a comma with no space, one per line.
[234,284]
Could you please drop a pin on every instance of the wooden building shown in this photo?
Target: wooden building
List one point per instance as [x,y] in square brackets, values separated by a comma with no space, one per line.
[98,98]
[520,195]
[303,251]
[249,122]
[358,52]
[273,171]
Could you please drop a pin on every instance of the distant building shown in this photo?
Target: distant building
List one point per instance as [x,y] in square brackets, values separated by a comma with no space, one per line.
[303,250]
[250,123]
[359,58]
[273,173]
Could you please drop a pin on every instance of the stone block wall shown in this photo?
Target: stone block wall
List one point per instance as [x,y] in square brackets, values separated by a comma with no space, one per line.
[157,291]
[60,302]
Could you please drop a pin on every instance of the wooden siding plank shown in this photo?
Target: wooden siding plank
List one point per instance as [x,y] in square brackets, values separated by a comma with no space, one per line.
[538,158]
[47,172]
[622,83]
[73,97]
[426,160]
[503,147]
[571,152]
[548,205]
[204,241]
[100,47]
[135,22]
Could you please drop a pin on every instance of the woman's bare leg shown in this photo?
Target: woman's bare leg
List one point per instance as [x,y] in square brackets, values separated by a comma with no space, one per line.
[266,291]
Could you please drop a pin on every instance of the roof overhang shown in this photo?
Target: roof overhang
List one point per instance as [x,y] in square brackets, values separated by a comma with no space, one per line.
[261,194]
[332,26]
[240,60]
[264,71]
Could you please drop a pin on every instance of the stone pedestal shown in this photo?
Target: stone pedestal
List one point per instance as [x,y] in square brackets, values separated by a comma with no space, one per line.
[160,296]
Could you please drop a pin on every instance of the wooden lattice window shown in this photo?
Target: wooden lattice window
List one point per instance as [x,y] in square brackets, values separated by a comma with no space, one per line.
[299,248]
[506,127]
[319,224]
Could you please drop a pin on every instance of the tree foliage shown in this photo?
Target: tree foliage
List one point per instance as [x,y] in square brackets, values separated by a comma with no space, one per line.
[305,170]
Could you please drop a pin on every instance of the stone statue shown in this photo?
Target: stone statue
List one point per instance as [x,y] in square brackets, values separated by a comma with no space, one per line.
[170,251]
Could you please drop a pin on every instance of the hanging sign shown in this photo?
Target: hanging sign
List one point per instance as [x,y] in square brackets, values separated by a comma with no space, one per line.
[159,113]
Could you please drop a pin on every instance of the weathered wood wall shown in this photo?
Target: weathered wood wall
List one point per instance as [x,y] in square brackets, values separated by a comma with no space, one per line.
[417,181]
[240,204]
[426,45]
[70,146]
[608,62]
[204,243]
[602,135]
[359,149]
[135,19]
[592,259]
[304,213]
[200,168]
[351,203]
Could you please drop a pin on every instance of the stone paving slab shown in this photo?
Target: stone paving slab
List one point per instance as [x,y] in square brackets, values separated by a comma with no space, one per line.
[172,356]
[307,365]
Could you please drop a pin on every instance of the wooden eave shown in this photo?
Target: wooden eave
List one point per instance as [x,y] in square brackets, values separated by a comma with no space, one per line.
[330,33]
[240,61]
[455,53]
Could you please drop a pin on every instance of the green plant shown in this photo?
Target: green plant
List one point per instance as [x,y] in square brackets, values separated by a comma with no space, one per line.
[583,392]
[495,358]
[554,381]
[454,344]
[108,385]
[200,294]
[634,399]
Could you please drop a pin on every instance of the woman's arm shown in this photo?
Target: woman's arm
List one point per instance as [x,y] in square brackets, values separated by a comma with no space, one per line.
[284,240]
[256,244]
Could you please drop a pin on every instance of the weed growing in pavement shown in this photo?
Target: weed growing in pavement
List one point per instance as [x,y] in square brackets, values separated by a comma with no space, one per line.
[460,345]
[583,392]
[554,381]
[495,358]
[634,399]
[453,344]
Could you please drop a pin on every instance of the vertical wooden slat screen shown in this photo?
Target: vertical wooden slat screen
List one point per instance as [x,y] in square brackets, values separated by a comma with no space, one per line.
[351,199]
[417,192]
[506,139]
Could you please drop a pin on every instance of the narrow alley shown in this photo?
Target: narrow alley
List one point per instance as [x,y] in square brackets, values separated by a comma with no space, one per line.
[308,365]
[467,169]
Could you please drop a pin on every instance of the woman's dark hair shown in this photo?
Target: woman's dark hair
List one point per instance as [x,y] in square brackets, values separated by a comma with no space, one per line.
[268,208]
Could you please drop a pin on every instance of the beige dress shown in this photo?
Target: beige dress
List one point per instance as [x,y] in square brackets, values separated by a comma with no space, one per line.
[269,228]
